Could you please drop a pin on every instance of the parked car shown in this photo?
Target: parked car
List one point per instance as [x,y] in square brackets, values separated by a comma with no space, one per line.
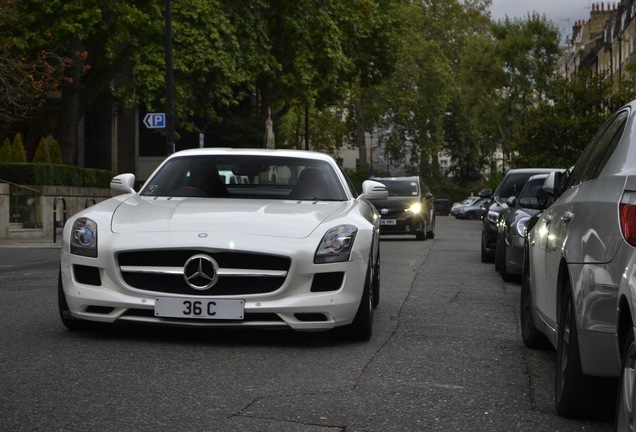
[292,248]
[472,211]
[510,186]
[442,206]
[409,208]
[465,202]
[578,274]
[512,224]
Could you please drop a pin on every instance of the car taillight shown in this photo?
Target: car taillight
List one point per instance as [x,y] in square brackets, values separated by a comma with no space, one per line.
[627,211]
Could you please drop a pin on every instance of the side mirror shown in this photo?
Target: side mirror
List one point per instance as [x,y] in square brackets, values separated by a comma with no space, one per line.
[511,201]
[552,184]
[123,183]
[372,189]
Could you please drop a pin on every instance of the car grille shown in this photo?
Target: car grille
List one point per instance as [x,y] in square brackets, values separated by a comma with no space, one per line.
[161,271]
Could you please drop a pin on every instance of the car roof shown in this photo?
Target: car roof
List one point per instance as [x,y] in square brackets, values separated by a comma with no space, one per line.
[254,152]
[532,170]
[403,178]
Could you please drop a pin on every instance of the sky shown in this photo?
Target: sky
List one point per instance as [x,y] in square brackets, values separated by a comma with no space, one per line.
[563,13]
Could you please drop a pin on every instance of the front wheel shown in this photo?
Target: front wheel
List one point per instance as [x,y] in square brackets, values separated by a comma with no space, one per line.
[485,256]
[361,329]
[68,320]
[532,338]
[625,409]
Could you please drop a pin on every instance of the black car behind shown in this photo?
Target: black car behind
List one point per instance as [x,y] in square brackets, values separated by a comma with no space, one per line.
[409,208]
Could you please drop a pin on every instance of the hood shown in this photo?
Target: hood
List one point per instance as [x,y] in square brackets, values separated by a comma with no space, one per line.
[290,219]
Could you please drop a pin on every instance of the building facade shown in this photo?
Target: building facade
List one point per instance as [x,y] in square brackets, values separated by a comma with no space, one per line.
[603,44]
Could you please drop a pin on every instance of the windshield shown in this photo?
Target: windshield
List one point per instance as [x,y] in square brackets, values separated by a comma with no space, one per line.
[401,188]
[469,200]
[514,184]
[246,176]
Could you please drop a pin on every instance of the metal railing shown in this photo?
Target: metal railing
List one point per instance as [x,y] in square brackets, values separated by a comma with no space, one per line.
[23,205]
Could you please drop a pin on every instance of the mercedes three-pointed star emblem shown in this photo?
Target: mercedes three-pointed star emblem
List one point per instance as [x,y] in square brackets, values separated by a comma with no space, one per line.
[201,272]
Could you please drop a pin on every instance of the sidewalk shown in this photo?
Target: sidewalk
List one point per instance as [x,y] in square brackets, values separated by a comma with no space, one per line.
[42,242]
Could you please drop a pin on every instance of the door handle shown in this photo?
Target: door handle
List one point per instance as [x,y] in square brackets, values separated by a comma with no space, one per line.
[547,219]
[567,216]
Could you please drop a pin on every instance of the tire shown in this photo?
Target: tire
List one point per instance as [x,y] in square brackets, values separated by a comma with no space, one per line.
[532,338]
[485,256]
[577,395]
[375,284]
[502,264]
[421,234]
[361,329]
[68,320]
[625,420]
[498,257]
[431,233]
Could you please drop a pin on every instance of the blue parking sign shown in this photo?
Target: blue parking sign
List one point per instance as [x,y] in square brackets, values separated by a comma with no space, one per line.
[155,120]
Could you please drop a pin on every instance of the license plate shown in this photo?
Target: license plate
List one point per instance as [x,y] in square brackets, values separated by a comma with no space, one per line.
[170,307]
[387,221]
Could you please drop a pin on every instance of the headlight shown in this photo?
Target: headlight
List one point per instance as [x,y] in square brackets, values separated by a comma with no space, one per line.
[415,208]
[336,245]
[492,216]
[521,226]
[84,237]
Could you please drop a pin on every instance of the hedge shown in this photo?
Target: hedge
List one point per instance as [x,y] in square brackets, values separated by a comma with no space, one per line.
[54,175]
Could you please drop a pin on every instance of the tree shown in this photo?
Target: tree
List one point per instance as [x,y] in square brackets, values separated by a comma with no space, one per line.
[5,151]
[18,154]
[42,152]
[26,76]
[559,127]
[55,153]
[528,49]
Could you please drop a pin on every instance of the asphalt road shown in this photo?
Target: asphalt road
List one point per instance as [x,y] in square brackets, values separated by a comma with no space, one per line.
[446,355]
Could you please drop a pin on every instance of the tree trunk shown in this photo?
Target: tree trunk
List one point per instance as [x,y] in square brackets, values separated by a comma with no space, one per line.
[69,116]
[361,136]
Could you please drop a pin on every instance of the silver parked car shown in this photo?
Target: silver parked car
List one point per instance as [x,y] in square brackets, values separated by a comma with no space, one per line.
[579,277]
[473,210]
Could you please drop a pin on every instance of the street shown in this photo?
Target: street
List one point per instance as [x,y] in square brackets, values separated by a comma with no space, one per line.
[446,355]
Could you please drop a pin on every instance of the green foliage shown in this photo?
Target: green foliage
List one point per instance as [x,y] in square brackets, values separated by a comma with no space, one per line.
[559,128]
[55,154]
[35,174]
[18,154]
[41,152]
[5,151]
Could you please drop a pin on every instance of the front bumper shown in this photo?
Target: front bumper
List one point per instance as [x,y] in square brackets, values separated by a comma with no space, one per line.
[107,297]
[401,225]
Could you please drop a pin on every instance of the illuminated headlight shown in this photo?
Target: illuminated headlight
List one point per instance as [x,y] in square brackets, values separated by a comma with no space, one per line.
[84,238]
[415,208]
[493,216]
[521,226]
[336,245]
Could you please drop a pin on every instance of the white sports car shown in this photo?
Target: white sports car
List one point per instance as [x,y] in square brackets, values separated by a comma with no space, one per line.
[228,238]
